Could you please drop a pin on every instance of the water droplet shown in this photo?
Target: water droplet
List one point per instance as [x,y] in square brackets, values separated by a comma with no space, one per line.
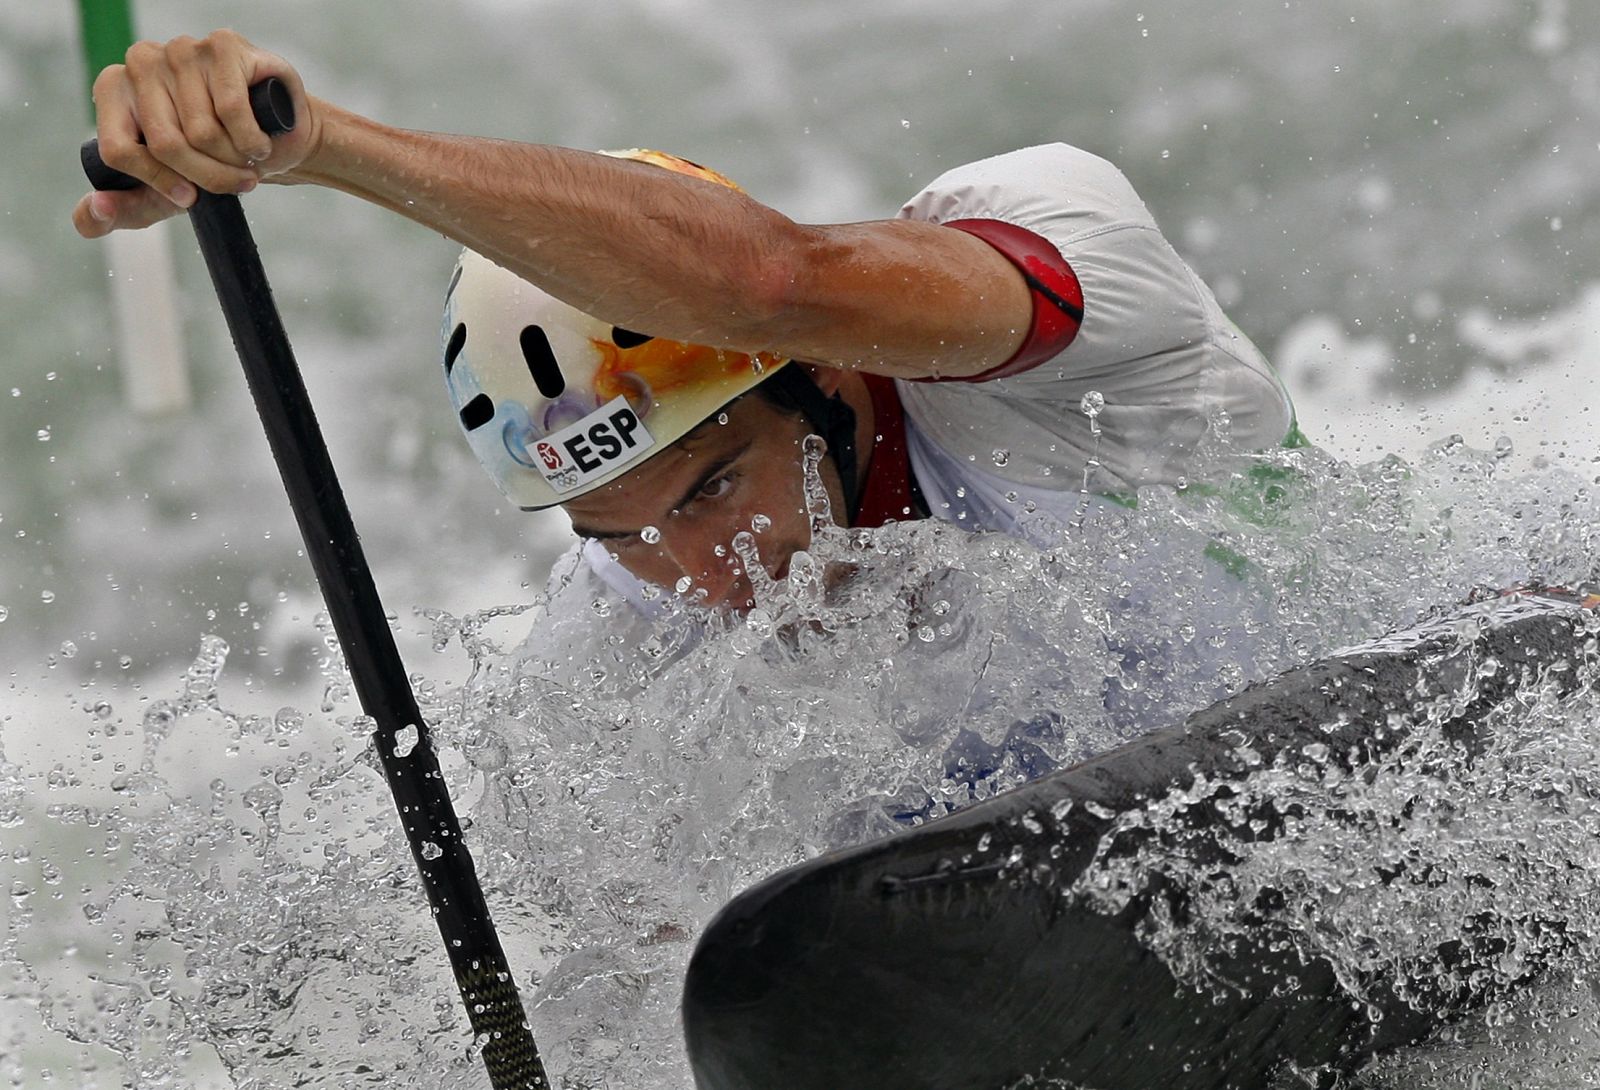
[159,719]
[264,798]
[1502,447]
[430,850]
[43,435]
[47,596]
[682,585]
[651,535]
[1092,404]
[405,740]
[722,418]
[1001,456]
[69,649]
[601,607]
[760,524]
[125,662]
[803,569]
[4,613]
[102,709]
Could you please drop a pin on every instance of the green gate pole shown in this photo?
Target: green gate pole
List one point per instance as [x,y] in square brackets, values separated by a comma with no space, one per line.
[107,34]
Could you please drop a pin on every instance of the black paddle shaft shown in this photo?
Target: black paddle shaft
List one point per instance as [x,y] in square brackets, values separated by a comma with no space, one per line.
[412,770]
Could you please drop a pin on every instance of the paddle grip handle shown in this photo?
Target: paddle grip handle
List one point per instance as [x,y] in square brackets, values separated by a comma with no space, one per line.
[270,102]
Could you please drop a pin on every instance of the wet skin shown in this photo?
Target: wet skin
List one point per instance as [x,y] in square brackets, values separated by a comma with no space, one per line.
[702,491]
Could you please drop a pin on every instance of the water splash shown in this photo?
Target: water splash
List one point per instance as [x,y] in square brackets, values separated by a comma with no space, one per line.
[615,800]
[1454,865]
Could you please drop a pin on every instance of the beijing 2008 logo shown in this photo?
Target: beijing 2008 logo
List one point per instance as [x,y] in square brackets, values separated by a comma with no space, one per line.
[549,455]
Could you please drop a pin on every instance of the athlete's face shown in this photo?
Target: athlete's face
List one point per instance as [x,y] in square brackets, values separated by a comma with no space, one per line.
[676,515]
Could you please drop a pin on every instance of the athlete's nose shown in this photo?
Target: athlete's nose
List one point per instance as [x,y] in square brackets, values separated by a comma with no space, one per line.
[705,557]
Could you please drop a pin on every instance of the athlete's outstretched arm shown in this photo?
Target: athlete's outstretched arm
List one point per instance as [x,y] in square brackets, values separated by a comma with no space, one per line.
[635,245]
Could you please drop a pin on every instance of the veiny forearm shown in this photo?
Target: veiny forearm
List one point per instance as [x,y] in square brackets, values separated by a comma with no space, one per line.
[679,257]
[638,246]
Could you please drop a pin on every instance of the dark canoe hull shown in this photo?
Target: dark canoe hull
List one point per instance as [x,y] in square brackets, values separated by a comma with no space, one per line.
[947,956]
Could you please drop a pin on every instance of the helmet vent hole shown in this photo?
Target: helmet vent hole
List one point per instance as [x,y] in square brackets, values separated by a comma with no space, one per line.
[477,412]
[542,363]
[458,341]
[627,338]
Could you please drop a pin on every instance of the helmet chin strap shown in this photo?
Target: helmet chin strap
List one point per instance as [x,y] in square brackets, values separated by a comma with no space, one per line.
[830,417]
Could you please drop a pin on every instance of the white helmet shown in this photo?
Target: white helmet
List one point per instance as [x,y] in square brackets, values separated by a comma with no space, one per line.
[556,403]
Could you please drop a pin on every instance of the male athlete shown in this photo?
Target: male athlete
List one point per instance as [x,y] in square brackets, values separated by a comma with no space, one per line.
[1021,319]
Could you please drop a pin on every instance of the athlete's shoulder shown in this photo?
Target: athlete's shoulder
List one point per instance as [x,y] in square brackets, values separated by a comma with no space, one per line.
[1042,160]
[1057,186]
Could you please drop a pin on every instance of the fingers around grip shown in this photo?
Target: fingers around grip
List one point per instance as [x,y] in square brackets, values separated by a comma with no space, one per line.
[101,176]
[189,102]
[231,99]
[181,128]
[201,136]
[124,164]
[191,113]
[271,104]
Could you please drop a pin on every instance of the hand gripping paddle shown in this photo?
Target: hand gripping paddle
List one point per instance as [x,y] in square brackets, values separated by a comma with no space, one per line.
[480,966]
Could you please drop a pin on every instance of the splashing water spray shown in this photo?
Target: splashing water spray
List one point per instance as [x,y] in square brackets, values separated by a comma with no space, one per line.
[1092,405]
[401,737]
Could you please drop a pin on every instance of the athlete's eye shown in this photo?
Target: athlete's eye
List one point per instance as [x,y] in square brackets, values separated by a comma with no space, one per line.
[716,486]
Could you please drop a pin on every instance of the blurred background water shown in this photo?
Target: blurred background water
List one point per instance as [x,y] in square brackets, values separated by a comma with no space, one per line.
[1396,201]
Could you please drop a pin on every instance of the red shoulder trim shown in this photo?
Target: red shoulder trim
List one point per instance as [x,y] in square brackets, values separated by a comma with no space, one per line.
[1057,295]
